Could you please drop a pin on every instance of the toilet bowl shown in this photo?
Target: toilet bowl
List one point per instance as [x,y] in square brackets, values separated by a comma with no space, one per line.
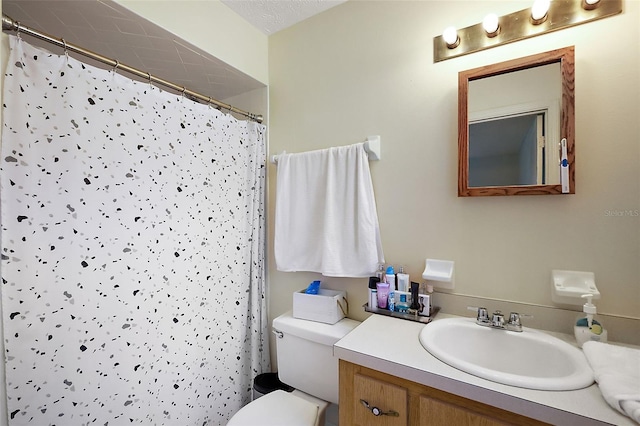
[305,361]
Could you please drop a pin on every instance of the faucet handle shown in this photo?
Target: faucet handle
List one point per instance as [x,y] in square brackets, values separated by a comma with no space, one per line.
[514,317]
[515,322]
[497,319]
[482,313]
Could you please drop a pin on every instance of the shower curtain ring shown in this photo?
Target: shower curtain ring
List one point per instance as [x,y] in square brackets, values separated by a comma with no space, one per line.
[149,77]
[184,89]
[115,67]
[66,52]
[18,30]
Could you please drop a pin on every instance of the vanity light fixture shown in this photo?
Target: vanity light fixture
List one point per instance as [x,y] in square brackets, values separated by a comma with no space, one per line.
[540,11]
[543,17]
[450,37]
[491,25]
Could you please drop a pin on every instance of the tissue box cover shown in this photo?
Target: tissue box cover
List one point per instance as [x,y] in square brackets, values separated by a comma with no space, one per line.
[328,306]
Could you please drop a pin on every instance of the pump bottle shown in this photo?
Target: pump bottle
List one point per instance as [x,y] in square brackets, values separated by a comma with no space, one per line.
[587,328]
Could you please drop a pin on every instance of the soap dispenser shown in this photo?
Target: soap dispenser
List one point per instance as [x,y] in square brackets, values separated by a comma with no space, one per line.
[587,328]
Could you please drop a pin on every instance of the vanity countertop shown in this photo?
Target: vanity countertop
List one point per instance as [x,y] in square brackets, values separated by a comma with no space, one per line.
[391,345]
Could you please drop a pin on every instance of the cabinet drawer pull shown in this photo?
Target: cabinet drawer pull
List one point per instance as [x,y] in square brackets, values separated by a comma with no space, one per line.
[378,412]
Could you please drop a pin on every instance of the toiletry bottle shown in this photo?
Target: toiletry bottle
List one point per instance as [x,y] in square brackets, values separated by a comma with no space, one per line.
[373,292]
[392,299]
[587,328]
[383,295]
[415,296]
[390,277]
[380,273]
[403,280]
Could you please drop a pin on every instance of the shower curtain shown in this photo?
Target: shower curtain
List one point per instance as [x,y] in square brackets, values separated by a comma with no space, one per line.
[132,250]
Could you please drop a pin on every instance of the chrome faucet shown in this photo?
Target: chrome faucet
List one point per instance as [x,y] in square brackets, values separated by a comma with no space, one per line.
[483,316]
[497,319]
[514,323]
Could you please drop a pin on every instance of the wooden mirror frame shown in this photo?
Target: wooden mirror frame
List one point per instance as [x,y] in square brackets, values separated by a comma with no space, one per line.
[565,57]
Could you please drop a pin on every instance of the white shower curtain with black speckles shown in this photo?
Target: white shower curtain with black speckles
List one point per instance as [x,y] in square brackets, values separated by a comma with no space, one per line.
[132,250]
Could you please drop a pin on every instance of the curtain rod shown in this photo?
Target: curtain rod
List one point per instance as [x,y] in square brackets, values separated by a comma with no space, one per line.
[8,24]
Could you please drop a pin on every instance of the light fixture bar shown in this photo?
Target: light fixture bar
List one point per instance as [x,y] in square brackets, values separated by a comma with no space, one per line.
[518,26]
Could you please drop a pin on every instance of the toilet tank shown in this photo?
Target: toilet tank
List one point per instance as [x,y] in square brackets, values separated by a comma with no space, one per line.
[305,354]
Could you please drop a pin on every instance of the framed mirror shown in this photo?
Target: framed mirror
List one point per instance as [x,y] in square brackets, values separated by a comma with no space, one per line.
[516,133]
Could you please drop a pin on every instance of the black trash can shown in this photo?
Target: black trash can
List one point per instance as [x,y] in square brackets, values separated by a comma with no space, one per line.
[268,382]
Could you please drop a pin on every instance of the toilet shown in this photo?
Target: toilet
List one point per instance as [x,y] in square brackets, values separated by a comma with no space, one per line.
[305,362]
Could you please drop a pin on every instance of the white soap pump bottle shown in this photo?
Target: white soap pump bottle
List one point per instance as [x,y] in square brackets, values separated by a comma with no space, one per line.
[587,328]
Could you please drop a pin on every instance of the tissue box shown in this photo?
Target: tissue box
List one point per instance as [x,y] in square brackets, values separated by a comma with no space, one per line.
[328,306]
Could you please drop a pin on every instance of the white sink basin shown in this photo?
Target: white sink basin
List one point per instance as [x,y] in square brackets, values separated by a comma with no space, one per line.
[530,359]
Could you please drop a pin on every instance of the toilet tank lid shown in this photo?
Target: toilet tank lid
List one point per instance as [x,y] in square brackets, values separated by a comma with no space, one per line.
[326,334]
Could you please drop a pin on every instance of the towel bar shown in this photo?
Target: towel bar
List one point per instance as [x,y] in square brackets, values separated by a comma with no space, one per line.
[371,145]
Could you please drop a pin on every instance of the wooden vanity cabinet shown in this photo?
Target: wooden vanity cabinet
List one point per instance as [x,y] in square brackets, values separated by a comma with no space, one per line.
[414,403]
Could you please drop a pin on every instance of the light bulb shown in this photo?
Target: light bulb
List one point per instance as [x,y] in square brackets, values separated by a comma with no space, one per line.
[450,36]
[491,25]
[590,4]
[539,10]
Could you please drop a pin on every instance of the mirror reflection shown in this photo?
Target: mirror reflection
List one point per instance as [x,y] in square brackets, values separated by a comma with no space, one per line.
[507,151]
[514,129]
[512,117]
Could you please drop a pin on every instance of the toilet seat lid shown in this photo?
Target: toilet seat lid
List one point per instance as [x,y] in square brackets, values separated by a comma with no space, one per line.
[277,408]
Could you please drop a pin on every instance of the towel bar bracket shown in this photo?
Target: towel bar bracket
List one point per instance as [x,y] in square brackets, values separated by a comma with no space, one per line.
[372,146]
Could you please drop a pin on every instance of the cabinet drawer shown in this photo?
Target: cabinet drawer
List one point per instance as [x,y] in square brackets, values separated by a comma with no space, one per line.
[382,395]
[439,413]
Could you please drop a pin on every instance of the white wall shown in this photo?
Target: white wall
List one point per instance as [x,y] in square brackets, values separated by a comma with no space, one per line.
[366,67]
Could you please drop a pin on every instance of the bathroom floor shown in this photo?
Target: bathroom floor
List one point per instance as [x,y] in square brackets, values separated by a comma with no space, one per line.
[331,418]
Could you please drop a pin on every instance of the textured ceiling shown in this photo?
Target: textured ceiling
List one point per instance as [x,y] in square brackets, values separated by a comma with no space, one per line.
[271,16]
[107,28]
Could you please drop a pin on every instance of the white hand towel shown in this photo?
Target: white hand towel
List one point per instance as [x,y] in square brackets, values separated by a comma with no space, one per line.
[326,218]
[617,371]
